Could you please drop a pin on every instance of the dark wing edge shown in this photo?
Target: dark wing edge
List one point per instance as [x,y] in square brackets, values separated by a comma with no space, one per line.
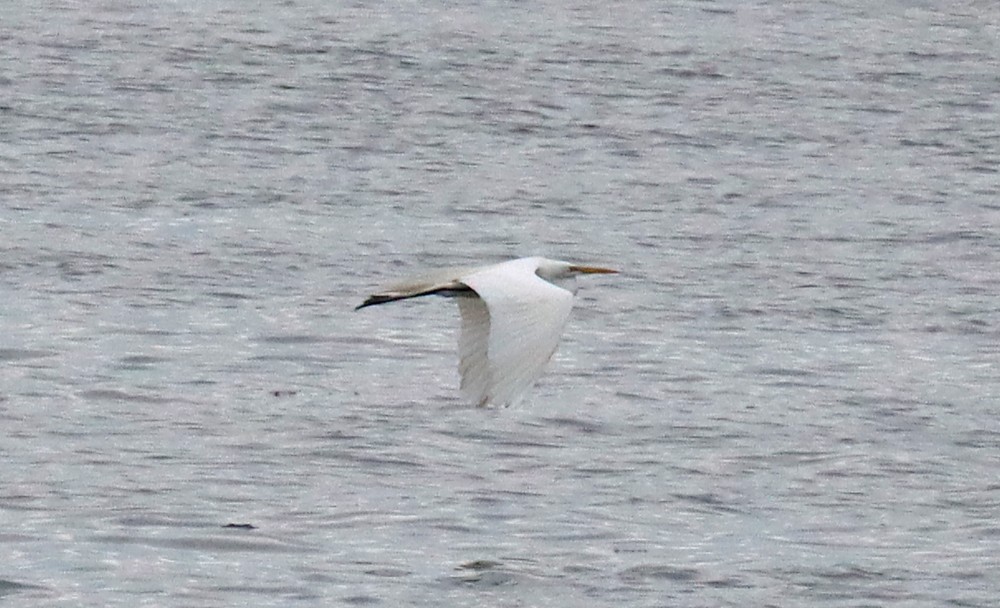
[451,290]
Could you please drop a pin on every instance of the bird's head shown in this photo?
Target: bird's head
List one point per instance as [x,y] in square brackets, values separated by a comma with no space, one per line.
[564,274]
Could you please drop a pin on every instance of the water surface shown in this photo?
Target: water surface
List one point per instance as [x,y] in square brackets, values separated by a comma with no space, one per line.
[788,398]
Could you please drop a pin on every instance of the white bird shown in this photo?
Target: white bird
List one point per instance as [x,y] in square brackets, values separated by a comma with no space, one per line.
[513,314]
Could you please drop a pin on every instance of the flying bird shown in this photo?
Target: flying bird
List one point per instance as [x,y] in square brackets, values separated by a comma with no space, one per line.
[513,314]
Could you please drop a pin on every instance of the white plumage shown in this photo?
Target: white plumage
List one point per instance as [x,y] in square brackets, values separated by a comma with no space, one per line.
[513,315]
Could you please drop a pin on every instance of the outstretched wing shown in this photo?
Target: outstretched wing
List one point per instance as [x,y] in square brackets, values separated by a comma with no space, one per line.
[473,343]
[502,358]
[442,282]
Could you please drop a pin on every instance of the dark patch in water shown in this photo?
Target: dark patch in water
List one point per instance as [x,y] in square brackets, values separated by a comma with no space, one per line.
[649,571]
[21,354]
[7,587]
[479,564]
[116,395]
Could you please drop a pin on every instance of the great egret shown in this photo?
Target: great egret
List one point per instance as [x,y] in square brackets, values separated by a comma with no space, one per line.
[513,314]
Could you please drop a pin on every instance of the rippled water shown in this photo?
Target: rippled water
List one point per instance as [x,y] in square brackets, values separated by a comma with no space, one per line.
[788,398]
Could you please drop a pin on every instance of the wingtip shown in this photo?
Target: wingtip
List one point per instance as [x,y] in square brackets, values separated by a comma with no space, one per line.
[379,298]
[371,301]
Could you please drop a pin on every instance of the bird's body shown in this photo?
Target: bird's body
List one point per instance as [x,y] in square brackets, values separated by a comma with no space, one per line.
[513,314]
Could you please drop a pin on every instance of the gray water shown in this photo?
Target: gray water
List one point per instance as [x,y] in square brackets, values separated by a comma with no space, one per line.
[789,397]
